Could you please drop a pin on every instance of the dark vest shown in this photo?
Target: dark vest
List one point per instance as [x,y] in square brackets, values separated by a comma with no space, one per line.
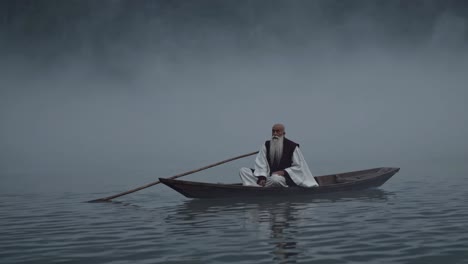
[286,159]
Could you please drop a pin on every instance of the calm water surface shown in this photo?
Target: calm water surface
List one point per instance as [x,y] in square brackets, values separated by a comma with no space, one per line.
[419,216]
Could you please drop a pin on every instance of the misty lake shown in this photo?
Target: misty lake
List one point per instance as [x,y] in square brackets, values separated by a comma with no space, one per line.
[418,216]
[99,97]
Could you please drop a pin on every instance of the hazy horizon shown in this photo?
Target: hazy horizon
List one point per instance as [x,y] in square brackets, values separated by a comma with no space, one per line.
[154,88]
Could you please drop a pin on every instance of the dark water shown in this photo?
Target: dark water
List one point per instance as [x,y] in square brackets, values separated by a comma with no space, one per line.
[419,216]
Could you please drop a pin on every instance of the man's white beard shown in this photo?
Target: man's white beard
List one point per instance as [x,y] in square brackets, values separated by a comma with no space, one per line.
[276,148]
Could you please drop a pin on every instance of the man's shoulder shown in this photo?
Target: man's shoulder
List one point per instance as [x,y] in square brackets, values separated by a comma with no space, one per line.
[290,142]
[285,141]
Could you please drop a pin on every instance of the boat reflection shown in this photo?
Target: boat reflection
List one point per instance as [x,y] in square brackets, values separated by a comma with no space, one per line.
[272,220]
[200,205]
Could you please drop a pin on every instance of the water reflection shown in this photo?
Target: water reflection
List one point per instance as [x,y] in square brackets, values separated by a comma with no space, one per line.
[282,220]
[273,220]
[200,206]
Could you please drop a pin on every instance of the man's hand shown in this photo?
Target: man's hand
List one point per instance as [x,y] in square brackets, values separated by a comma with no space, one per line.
[261,181]
[281,173]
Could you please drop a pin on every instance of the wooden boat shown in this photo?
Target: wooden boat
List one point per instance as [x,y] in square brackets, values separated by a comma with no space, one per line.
[348,181]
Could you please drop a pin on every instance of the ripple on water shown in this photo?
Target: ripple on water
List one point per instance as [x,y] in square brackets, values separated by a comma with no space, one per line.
[408,225]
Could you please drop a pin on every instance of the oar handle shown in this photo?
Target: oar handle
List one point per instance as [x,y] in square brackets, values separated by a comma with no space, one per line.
[107,199]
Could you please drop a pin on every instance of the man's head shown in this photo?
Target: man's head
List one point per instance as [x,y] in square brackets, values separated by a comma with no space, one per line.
[277,131]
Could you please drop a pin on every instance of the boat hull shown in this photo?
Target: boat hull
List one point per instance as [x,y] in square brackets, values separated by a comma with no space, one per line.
[350,181]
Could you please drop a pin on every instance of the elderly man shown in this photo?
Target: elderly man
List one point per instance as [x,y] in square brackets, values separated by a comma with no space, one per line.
[278,163]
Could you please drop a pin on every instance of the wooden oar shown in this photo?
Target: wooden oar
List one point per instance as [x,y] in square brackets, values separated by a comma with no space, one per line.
[107,199]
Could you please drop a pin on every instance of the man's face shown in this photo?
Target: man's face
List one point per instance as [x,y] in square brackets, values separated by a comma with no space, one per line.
[277,131]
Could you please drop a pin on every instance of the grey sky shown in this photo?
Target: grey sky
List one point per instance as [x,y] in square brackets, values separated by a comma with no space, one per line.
[159,112]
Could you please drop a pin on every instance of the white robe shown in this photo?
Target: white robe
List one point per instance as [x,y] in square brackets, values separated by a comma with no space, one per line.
[299,171]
